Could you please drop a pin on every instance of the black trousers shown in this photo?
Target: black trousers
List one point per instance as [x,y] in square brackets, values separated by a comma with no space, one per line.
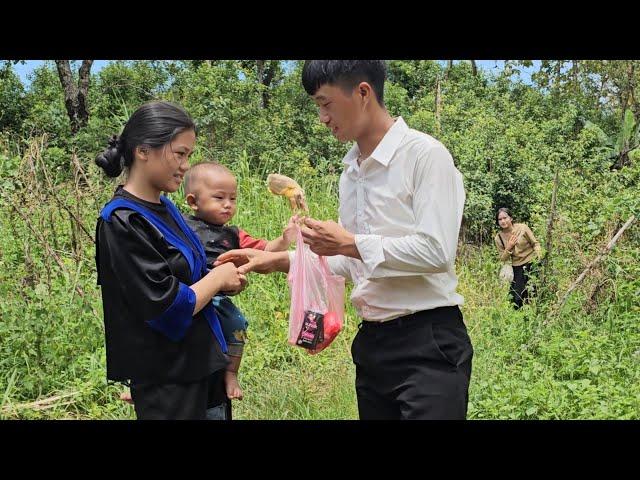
[519,291]
[180,401]
[414,367]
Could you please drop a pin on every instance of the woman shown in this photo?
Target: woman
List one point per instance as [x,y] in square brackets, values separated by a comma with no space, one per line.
[516,241]
[162,334]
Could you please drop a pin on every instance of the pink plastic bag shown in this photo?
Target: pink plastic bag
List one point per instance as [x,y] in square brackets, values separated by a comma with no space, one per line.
[316,315]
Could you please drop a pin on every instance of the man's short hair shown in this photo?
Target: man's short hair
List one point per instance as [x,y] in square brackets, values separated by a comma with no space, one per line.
[346,74]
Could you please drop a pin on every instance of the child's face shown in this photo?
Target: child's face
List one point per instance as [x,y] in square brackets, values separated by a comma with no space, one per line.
[215,199]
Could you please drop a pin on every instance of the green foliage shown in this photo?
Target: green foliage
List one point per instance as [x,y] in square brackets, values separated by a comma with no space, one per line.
[14,108]
[47,113]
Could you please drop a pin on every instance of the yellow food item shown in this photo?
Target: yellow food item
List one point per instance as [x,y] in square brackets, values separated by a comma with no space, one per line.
[287,187]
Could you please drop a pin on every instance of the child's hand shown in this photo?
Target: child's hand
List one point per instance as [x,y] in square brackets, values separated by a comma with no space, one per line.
[291,230]
[126,397]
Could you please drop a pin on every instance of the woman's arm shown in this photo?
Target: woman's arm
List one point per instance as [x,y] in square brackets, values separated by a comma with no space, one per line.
[502,251]
[224,278]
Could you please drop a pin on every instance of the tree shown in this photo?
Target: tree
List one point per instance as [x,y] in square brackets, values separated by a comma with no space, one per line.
[75,96]
[13,107]
[608,85]
[628,140]
[619,147]
[266,71]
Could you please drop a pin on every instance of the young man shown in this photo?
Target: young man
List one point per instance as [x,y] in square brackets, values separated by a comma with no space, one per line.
[401,202]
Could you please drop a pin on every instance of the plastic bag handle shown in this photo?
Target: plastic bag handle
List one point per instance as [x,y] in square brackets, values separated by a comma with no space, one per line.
[324,265]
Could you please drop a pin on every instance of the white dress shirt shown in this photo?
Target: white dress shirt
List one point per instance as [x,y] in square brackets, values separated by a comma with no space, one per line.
[404,204]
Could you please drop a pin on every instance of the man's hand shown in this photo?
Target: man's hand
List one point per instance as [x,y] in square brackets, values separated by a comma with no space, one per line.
[328,238]
[252,260]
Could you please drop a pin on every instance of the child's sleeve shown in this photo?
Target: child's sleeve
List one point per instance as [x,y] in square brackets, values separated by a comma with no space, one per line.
[247,241]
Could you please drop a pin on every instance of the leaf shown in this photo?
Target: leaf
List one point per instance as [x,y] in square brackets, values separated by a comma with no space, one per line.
[41,290]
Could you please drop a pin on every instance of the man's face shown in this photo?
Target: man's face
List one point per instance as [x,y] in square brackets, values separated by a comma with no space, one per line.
[340,111]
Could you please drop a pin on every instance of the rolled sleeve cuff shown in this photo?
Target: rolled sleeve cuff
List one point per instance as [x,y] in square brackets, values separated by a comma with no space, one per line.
[177,319]
[371,252]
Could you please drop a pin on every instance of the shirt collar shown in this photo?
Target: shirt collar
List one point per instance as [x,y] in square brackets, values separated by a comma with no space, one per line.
[387,147]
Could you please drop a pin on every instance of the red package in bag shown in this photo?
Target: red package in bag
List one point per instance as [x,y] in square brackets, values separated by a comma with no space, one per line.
[316,315]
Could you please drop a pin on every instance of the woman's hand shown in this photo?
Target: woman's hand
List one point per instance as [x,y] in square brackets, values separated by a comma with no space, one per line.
[222,279]
[229,278]
[513,239]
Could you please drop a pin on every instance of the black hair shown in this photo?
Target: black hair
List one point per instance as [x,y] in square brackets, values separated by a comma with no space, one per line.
[505,210]
[153,124]
[346,74]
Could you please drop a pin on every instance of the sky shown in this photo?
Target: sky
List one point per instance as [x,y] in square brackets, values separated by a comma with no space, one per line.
[23,70]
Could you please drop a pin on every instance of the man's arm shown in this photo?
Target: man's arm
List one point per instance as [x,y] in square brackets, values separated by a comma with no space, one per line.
[438,201]
[259,261]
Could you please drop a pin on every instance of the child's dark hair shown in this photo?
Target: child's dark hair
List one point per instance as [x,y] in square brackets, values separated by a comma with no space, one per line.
[345,74]
[505,210]
[153,124]
[195,173]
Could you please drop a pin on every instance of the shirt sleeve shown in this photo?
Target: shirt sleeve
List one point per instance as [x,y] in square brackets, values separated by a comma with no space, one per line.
[247,241]
[534,242]
[340,265]
[129,250]
[502,251]
[438,201]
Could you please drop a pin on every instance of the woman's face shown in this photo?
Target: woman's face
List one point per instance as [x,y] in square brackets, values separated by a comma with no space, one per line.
[167,165]
[504,220]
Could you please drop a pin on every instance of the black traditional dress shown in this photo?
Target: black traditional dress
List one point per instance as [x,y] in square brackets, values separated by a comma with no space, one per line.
[146,258]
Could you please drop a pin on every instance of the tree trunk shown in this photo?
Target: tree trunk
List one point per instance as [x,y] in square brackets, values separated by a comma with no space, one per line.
[632,88]
[603,82]
[626,90]
[546,262]
[474,68]
[83,91]
[75,96]
[265,73]
[449,67]
[268,78]
[260,70]
[438,104]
